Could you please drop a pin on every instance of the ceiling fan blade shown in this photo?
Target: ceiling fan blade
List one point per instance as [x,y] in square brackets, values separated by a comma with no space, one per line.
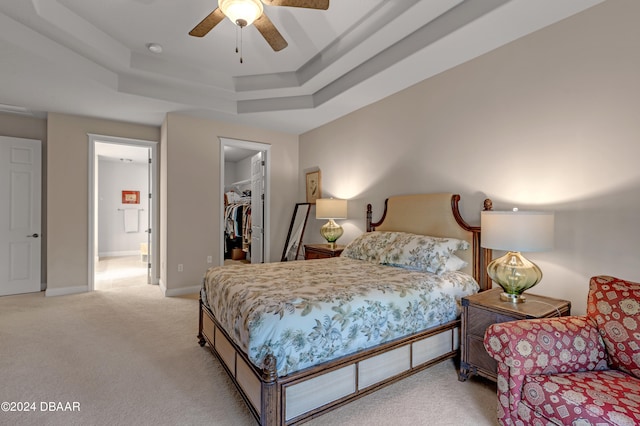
[270,33]
[308,4]
[207,23]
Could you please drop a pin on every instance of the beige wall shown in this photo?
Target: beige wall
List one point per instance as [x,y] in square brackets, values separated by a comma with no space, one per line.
[19,126]
[190,190]
[67,194]
[549,122]
[190,187]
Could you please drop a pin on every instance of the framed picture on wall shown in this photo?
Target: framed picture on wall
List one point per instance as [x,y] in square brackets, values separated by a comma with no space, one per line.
[313,186]
[130,197]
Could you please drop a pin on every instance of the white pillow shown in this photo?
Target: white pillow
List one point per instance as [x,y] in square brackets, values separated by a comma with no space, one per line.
[454,263]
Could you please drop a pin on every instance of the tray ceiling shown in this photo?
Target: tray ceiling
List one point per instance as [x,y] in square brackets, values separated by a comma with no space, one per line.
[90,57]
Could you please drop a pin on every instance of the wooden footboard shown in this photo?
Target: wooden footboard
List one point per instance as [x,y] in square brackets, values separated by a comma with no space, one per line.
[316,390]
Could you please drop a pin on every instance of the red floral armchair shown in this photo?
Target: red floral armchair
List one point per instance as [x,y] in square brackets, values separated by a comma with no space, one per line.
[574,370]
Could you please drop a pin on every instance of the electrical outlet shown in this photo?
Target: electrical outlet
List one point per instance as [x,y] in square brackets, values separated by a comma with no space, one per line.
[180,267]
[209,259]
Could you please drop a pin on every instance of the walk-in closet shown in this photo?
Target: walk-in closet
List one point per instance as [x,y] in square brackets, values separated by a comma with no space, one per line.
[244,202]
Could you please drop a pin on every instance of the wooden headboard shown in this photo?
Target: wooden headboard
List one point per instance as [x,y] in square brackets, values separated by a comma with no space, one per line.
[436,215]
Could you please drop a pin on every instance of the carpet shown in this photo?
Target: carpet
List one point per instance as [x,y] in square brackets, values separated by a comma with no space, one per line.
[129,356]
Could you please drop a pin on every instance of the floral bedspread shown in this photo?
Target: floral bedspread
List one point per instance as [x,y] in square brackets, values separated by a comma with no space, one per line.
[308,312]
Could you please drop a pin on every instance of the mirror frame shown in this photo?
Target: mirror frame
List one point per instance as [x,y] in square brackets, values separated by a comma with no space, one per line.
[293,221]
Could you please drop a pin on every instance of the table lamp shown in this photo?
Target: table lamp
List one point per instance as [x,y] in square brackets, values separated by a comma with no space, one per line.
[514,232]
[331,208]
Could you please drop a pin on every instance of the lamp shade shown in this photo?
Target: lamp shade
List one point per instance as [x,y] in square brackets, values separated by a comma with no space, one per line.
[524,231]
[331,208]
[241,11]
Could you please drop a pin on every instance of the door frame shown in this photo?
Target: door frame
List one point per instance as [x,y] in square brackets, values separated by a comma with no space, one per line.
[266,150]
[154,189]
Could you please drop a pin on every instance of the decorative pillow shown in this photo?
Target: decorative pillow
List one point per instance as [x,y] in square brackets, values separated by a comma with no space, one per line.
[454,263]
[422,252]
[614,304]
[369,245]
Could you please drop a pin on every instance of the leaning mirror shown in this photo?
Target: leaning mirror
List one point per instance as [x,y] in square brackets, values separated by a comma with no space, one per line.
[296,232]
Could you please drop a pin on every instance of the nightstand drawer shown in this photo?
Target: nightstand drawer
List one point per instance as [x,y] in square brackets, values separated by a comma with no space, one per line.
[321,251]
[479,319]
[308,255]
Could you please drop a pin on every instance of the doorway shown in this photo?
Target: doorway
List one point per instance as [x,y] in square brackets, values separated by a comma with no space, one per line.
[123,212]
[244,177]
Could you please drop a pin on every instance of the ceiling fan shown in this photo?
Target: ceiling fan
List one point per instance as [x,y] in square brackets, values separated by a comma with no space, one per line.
[246,12]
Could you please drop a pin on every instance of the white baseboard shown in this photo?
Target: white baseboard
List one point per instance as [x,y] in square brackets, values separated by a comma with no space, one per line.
[63,291]
[181,291]
[119,253]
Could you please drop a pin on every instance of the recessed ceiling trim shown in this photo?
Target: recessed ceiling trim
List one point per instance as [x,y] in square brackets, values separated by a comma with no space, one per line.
[13,109]
[386,24]
[56,54]
[159,66]
[447,23]
[179,93]
[276,104]
[82,31]
[348,42]
[459,16]
[266,81]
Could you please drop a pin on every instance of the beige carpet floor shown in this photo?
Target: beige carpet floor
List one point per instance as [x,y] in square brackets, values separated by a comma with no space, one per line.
[129,356]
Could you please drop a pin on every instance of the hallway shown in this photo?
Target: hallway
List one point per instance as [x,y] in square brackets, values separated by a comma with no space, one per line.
[120,271]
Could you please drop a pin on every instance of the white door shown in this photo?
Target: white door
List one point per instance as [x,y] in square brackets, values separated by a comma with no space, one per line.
[20,220]
[257,208]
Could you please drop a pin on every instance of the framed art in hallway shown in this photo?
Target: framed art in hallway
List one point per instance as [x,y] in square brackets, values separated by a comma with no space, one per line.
[313,186]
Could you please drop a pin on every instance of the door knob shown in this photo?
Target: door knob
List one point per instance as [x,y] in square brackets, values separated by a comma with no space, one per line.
[33,236]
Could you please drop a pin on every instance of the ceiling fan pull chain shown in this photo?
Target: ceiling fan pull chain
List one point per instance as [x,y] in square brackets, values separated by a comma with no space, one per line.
[240,23]
[241,28]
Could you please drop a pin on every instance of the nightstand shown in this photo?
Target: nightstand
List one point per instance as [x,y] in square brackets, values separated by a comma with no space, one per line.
[481,310]
[321,251]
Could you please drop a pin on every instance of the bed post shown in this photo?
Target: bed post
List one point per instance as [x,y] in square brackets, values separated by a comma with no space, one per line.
[271,411]
[371,226]
[483,256]
[201,340]
[486,254]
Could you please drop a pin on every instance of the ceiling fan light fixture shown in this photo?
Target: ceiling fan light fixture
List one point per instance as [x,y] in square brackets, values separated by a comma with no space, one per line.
[241,12]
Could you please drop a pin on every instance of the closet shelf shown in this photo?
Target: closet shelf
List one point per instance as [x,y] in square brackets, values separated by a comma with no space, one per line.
[241,182]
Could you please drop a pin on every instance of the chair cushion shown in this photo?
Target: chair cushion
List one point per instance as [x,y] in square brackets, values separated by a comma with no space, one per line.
[585,398]
[614,305]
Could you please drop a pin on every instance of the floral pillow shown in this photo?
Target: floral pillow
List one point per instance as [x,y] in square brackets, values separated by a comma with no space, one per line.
[423,253]
[369,245]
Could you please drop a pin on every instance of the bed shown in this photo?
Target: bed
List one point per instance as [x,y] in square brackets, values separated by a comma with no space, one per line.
[304,337]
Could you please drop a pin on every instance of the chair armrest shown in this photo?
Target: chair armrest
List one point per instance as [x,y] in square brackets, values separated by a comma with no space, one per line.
[540,346]
[547,345]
